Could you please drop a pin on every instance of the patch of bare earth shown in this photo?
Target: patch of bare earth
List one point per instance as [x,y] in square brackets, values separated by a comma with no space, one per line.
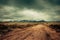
[37,32]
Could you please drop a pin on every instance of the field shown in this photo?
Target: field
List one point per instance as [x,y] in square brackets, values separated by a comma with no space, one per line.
[30,31]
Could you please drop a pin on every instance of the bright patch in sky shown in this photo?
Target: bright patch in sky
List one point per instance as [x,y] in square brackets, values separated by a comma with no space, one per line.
[35,15]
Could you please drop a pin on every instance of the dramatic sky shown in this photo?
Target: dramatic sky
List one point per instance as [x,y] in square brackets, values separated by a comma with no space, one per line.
[48,10]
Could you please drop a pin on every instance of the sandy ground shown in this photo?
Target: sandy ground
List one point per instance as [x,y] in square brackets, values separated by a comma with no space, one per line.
[37,32]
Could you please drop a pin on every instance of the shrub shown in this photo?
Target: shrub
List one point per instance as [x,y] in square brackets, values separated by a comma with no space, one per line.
[56,27]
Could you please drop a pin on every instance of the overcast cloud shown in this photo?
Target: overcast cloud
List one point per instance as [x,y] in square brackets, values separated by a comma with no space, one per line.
[48,10]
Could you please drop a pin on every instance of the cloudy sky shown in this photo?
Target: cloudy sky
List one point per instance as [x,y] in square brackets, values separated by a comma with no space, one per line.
[48,10]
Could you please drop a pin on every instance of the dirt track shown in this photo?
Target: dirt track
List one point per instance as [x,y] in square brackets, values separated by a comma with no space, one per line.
[38,32]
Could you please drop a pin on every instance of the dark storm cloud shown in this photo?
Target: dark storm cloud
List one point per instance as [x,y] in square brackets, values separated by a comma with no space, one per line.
[54,2]
[36,3]
[32,4]
[3,2]
[22,3]
[26,2]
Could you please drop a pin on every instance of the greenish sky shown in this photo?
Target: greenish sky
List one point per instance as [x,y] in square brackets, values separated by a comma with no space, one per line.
[48,10]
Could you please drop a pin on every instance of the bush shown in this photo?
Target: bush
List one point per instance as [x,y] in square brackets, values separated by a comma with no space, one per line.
[56,27]
[4,29]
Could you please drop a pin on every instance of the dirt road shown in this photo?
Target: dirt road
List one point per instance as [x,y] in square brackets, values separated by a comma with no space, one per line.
[38,32]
